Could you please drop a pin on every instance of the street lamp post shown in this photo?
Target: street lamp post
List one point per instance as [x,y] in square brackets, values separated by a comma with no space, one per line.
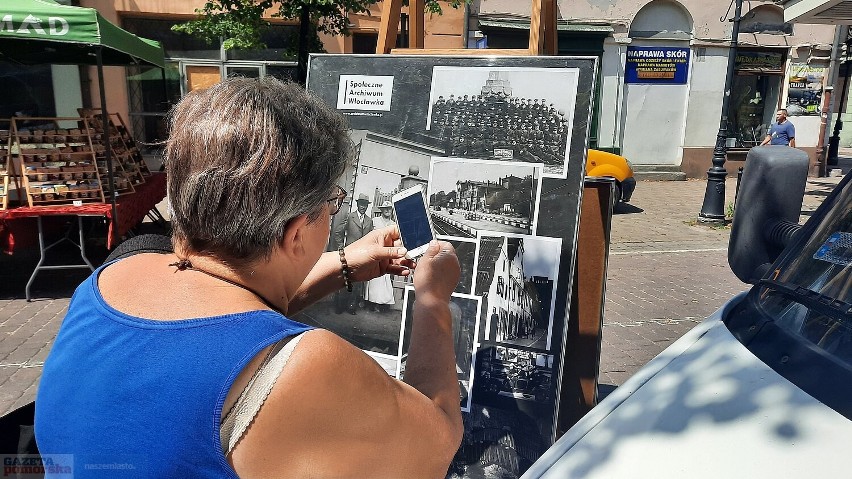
[713,209]
[834,141]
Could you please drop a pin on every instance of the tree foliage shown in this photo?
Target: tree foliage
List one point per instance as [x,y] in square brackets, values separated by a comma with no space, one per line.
[240,23]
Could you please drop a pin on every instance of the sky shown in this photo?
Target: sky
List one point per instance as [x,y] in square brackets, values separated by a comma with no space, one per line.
[541,254]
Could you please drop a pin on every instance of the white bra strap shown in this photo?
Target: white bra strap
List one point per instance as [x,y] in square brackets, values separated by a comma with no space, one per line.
[252,398]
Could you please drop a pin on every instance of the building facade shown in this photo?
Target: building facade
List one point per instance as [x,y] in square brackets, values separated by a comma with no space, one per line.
[673,125]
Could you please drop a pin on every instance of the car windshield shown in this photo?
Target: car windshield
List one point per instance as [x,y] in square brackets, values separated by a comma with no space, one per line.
[809,293]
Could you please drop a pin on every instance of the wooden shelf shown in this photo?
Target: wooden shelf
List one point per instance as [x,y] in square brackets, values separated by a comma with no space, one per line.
[57,166]
[123,147]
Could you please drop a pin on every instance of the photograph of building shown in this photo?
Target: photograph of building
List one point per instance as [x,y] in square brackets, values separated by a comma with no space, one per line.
[465,311]
[516,275]
[469,195]
[505,114]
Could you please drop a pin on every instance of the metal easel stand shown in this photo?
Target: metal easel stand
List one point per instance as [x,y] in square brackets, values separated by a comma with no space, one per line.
[81,245]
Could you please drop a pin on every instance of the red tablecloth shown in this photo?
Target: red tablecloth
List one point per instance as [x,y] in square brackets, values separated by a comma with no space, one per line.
[130,208]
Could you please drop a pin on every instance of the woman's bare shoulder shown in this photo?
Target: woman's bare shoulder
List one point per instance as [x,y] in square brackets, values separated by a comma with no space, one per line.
[146,286]
[329,394]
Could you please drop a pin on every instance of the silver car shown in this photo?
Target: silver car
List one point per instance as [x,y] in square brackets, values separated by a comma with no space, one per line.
[763,387]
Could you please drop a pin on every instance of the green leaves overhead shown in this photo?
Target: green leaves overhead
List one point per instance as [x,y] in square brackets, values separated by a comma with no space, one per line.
[239,23]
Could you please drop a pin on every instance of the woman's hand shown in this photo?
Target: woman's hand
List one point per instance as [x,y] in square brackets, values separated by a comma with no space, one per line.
[378,253]
[439,272]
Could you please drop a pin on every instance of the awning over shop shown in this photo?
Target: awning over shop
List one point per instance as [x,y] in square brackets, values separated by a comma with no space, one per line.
[43,31]
[836,12]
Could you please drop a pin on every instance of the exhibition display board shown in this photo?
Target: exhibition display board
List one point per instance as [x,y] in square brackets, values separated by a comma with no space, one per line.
[499,145]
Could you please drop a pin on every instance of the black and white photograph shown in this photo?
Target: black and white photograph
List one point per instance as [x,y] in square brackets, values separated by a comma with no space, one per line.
[516,277]
[383,165]
[465,310]
[370,316]
[504,113]
[466,253]
[508,374]
[469,195]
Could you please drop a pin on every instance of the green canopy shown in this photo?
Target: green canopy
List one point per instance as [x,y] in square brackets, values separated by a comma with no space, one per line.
[43,31]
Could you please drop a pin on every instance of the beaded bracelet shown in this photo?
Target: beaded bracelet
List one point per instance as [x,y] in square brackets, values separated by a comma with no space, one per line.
[344,269]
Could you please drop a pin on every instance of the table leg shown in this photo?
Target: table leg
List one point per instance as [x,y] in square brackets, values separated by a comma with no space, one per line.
[82,244]
[43,253]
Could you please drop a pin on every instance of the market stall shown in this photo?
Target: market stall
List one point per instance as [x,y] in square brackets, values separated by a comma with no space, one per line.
[43,31]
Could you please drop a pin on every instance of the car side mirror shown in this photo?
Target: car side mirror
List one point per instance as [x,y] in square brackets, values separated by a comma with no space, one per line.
[768,206]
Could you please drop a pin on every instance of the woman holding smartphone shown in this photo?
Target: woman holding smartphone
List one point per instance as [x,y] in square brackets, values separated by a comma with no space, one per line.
[186,364]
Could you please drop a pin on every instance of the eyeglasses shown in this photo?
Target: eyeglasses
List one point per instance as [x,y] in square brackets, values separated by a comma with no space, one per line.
[336,202]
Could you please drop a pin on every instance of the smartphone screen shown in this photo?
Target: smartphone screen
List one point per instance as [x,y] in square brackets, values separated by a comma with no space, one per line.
[413,221]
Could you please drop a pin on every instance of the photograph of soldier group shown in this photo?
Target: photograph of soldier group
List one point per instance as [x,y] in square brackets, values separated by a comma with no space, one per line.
[496,119]
[480,126]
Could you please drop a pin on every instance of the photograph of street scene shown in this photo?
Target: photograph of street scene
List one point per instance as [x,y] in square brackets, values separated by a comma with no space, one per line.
[466,253]
[514,374]
[516,275]
[468,195]
[507,114]
[465,310]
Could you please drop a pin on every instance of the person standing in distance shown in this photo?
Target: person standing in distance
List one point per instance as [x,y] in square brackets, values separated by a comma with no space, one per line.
[351,229]
[782,132]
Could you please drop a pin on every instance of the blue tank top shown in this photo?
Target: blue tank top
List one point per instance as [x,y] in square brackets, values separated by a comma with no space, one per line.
[131,397]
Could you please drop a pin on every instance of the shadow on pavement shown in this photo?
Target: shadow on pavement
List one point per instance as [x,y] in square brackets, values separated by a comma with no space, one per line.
[625,209]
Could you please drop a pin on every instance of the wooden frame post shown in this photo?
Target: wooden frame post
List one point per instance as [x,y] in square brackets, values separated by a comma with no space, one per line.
[543,33]
[551,34]
[388,26]
[536,28]
[416,23]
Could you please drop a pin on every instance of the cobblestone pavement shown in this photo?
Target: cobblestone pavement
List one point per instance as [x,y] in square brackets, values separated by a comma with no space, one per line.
[665,274]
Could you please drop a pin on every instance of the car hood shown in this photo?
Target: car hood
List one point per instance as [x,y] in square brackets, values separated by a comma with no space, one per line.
[705,407]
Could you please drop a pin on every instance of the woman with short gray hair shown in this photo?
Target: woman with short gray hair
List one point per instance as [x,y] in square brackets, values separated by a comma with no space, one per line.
[186,364]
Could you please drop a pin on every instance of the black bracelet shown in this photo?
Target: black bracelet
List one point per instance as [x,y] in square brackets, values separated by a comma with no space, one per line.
[344,268]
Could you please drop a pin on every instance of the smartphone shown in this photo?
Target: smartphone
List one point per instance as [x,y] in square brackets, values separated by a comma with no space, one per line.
[415,224]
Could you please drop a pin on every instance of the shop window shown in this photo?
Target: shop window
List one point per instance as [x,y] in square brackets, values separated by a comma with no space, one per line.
[364,42]
[176,45]
[281,45]
[755,95]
